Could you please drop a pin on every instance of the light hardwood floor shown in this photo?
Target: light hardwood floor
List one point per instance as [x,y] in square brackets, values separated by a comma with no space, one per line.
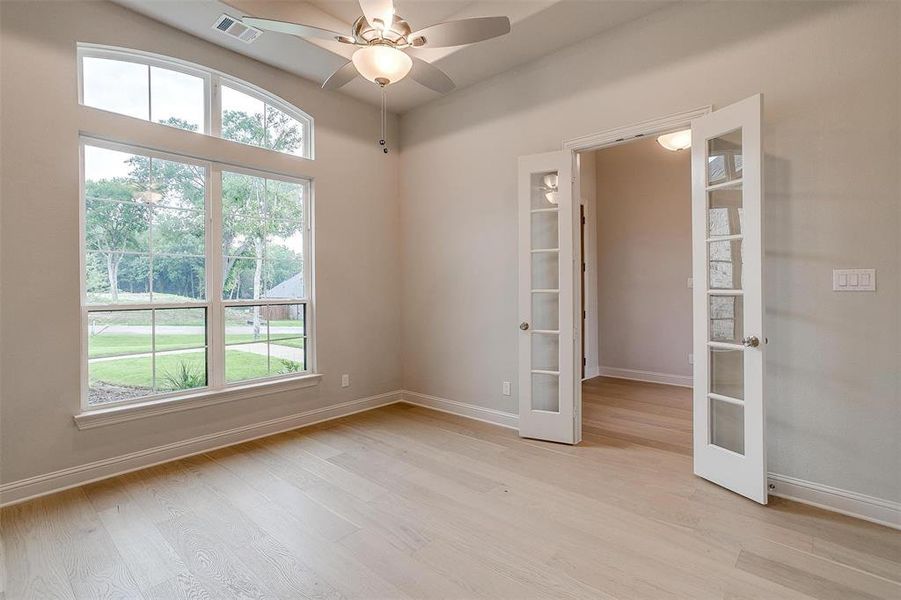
[405,502]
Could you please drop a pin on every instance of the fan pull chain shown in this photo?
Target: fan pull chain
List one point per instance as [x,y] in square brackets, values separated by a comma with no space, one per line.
[383,142]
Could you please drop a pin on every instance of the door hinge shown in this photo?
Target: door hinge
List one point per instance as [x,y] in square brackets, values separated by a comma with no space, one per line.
[583,220]
[584,268]
[584,314]
[584,361]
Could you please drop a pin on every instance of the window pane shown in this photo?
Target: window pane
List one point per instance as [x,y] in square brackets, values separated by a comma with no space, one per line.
[117,86]
[178,232]
[177,99]
[244,324]
[286,356]
[180,370]
[287,199]
[119,378]
[177,184]
[113,175]
[245,362]
[116,226]
[179,329]
[285,320]
[178,278]
[119,332]
[130,272]
[240,277]
[242,118]
[283,132]
[283,280]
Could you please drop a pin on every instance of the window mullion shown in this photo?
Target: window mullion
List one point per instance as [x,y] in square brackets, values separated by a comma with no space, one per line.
[215,106]
[216,314]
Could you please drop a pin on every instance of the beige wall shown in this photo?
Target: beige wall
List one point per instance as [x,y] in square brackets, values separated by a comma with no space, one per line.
[830,76]
[356,200]
[644,258]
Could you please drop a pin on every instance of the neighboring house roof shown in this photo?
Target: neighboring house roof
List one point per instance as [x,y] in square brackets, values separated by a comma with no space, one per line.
[289,288]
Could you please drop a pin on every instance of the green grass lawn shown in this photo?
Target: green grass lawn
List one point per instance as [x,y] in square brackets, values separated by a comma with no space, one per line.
[112,344]
[138,371]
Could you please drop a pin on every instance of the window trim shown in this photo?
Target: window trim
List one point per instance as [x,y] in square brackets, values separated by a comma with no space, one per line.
[213,80]
[213,302]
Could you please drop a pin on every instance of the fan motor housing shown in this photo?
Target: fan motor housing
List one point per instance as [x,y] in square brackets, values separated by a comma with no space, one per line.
[396,35]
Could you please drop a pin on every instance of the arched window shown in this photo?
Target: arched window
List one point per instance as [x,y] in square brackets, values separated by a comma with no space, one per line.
[196,272]
[180,94]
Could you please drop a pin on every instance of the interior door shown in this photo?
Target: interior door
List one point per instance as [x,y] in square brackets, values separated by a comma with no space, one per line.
[729,418]
[547,302]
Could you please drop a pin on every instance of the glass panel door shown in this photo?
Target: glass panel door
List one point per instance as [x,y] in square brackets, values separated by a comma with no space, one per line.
[726,213]
[546,292]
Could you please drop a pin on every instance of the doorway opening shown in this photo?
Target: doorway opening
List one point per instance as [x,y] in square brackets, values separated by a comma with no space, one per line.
[636,248]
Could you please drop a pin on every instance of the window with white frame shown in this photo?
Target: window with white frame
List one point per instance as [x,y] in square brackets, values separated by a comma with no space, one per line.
[195,274]
[187,96]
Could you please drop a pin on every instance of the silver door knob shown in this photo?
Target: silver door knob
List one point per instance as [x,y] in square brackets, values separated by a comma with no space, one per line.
[750,341]
[523,325]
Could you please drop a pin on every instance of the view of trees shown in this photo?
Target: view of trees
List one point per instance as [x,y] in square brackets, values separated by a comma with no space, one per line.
[158,209]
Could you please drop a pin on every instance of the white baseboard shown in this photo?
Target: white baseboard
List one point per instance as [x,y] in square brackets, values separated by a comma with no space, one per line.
[647,376]
[861,506]
[41,485]
[590,372]
[470,411]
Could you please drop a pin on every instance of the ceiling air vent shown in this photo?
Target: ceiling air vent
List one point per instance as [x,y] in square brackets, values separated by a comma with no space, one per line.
[232,27]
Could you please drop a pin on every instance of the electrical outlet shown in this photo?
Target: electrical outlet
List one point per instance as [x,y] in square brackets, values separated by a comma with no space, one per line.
[506,388]
[345,380]
[691,358]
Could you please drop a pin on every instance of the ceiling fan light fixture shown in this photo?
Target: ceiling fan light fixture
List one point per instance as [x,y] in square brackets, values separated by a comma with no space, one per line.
[382,63]
[678,140]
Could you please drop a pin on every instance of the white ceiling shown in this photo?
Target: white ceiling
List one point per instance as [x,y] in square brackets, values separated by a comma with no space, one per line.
[539,28]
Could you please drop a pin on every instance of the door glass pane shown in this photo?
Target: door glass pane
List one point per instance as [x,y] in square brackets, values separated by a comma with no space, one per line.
[545,352]
[726,319]
[727,428]
[544,231]
[724,158]
[725,212]
[727,373]
[545,392]
[546,311]
[545,270]
[724,264]
[545,187]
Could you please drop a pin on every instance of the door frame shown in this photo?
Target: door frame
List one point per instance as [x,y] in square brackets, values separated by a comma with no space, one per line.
[596,141]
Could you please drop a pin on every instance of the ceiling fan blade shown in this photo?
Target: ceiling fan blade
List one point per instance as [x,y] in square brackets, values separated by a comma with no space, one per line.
[341,77]
[306,31]
[465,31]
[431,76]
[383,10]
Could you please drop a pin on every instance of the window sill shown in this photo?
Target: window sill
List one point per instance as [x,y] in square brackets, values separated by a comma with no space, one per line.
[99,417]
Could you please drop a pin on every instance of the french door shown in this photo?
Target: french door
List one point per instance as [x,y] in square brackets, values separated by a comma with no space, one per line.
[548,395]
[729,418]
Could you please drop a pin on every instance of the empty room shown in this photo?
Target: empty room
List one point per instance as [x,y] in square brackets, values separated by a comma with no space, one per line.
[452,299]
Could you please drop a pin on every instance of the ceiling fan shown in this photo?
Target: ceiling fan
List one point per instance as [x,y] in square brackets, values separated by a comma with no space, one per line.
[382,35]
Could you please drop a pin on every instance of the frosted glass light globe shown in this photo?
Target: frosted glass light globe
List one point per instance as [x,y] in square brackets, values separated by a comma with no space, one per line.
[382,64]
[679,140]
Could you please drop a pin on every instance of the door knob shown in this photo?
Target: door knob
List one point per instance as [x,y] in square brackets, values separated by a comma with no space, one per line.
[750,341]
[523,325]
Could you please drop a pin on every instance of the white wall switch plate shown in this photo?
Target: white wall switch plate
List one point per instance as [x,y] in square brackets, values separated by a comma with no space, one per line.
[691,359]
[506,388]
[345,380]
[854,280]
[690,283]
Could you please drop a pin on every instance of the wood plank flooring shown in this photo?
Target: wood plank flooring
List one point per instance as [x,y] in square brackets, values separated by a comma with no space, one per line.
[405,502]
[649,414]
